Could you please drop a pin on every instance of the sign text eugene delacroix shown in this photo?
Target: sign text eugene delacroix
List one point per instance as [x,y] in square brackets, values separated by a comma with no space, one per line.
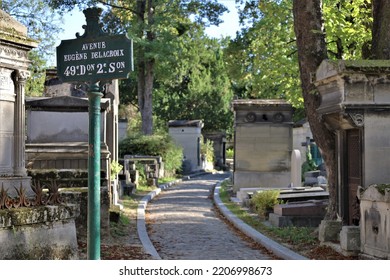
[85,59]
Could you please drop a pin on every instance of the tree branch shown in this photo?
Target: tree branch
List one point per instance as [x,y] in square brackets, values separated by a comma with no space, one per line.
[118,7]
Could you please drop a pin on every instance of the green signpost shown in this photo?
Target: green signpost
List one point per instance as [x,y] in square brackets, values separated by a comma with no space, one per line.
[94,57]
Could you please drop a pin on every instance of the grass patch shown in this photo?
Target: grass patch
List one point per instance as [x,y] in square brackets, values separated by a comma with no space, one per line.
[290,235]
[120,228]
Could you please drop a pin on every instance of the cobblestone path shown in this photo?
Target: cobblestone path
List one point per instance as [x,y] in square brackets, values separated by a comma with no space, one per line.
[182,224]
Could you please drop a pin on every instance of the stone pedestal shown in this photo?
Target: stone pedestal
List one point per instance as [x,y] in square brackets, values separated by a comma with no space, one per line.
[350,240]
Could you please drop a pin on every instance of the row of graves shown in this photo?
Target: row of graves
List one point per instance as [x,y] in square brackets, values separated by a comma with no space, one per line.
[188,135]
[355,105]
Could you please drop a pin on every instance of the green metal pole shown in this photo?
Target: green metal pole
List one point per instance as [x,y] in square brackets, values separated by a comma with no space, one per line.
[93,242]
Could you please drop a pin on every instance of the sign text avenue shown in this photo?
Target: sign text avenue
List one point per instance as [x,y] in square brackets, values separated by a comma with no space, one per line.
[105,58]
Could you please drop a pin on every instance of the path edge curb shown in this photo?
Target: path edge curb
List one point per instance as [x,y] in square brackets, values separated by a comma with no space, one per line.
[268,243]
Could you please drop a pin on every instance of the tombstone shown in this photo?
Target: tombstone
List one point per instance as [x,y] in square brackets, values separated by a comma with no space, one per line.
[122,129]
[188,135]
[57,134]
[296,169]
[375,221]
[262,144]
[32,224]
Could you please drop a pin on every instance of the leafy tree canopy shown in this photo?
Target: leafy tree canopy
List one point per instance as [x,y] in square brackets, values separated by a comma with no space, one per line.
[197,85]
[263,58]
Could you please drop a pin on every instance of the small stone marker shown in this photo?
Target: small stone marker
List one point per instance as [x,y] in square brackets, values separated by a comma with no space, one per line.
[296,169]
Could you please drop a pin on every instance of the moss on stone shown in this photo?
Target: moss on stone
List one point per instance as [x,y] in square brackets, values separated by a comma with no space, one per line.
[33,215]
[376,66]
[382,188]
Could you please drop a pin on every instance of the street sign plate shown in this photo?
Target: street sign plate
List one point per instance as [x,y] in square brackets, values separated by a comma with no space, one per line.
[94,59]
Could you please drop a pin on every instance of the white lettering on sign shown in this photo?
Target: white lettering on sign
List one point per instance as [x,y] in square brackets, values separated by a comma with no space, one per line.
[91,69]
[94,46]
[104,54]
[102,59]
[75,56]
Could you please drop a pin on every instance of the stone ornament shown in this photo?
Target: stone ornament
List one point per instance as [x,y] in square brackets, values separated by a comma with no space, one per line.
[250,117]
[278,118]
[357,118]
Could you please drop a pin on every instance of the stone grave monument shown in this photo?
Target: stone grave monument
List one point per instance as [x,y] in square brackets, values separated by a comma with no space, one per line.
[188,134]
[262,144]
[33,223]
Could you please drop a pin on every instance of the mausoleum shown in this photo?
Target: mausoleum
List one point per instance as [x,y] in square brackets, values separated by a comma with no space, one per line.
[262,143]
[355,105]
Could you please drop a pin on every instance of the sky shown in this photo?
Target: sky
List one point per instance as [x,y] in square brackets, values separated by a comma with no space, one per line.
[76,19]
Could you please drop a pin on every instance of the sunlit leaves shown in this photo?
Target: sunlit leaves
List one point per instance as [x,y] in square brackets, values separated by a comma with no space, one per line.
[348,27]
[263,62]
[196,85]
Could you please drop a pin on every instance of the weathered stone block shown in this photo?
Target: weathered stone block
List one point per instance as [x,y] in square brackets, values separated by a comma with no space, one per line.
[329,230]
[44,232]
[297,221]
[350,238]
[301,209]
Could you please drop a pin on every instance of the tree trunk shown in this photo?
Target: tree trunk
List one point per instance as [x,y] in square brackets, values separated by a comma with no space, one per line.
[380,30]
[308,27]
[145,68]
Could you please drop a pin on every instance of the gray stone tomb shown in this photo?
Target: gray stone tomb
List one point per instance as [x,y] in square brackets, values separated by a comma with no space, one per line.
[188,135]
[262,144]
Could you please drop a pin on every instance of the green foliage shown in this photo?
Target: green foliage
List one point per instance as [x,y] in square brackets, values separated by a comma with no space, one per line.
[141,173]
[154,145]
[296,235]
[207,150]
[115,168]
[35,83]
[42,22]
[263,201]
[197,85]
[263,61]
[348,27]
[230,153]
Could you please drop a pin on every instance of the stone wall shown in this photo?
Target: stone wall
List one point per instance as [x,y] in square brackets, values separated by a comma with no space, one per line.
[79,196]
[38,233]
